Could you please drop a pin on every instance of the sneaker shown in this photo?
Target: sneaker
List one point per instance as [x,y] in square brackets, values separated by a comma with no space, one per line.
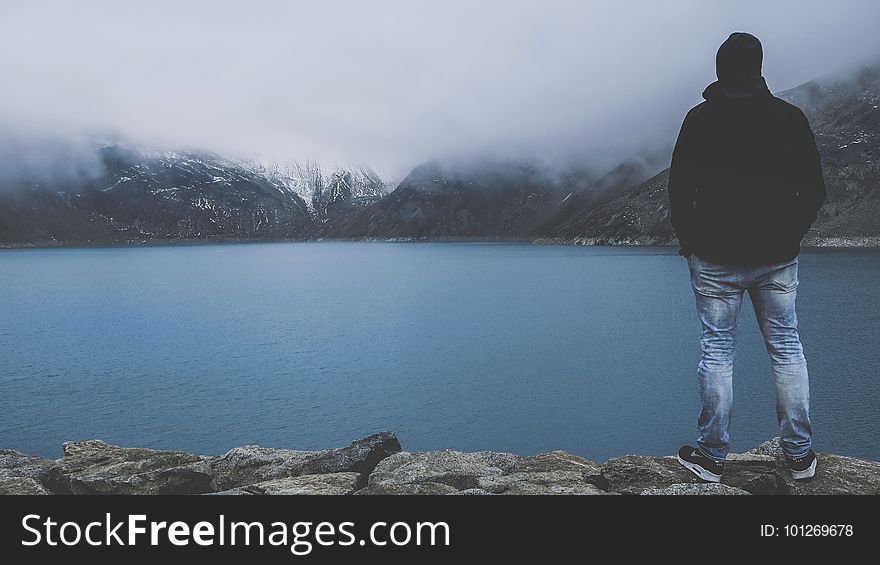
[802,467]
[704,467]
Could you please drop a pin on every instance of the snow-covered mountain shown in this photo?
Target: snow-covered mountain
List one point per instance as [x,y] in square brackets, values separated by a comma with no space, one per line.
[137,194]
[326,186]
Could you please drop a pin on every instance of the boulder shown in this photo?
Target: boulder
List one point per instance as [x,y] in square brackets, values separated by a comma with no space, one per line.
[539,482]
[470,492]
[324,484]
[633,474]
[252,464]
[689,489]
[230,492]
[558,461]
[94,467]
[21,486]
[427,488]
[23,474]
[485,472]
[456,469]
[835,474]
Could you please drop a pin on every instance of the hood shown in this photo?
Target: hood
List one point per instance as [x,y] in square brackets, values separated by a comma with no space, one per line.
[738,68]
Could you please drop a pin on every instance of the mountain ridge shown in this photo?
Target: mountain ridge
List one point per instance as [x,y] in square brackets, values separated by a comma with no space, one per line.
[146,196]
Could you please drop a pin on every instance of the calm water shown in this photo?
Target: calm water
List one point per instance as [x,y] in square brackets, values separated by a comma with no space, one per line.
[468,346]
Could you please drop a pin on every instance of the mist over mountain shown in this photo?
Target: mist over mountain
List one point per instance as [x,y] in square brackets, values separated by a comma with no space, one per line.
[115,192]
[843,111]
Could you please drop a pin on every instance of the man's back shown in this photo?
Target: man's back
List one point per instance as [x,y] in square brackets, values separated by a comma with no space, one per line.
[744,187]
[745,182]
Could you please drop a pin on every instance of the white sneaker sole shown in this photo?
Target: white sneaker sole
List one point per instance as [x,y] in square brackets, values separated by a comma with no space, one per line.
[806,473]
[699,471]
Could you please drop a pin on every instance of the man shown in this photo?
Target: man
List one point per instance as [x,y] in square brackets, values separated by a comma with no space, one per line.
[744,187]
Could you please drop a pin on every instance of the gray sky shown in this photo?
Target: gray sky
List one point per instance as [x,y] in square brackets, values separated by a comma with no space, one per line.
[396,82]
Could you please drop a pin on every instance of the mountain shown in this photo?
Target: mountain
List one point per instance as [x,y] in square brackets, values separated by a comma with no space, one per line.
[482,199]
[489,199]
[138,195]
[843,111]
[141,194]
[329,190]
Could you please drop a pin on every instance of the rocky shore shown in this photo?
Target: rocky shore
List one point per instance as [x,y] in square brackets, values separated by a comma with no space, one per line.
[376,465]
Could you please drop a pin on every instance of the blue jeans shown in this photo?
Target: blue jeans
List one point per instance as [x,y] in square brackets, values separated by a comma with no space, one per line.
[719,292]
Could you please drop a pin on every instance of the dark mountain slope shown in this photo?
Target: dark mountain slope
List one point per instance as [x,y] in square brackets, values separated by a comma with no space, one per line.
[843,110]
[152,196]
[483,199]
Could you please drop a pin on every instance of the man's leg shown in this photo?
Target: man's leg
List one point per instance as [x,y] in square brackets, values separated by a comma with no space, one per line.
[718,303]
[774,302]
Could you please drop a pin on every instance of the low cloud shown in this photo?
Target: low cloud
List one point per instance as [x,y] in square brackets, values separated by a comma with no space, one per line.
[395,82]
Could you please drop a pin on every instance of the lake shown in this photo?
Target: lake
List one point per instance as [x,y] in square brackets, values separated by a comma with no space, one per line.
[504,347]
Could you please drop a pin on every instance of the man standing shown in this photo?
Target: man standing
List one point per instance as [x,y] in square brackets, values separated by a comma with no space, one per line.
[744,187]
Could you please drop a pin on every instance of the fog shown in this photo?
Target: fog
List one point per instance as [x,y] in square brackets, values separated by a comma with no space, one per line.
[393,83]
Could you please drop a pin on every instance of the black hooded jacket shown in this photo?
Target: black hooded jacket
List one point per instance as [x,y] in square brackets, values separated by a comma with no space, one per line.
[746,182]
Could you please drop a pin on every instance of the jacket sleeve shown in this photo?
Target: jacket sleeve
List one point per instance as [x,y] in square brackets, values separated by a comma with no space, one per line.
[811,192]
[683,185]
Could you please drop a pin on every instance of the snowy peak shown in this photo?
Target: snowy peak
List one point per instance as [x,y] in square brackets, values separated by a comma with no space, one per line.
[324,185]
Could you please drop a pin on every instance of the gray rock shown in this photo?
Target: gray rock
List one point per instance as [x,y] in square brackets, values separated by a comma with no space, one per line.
[427,488]
[471,492]
[634,473]
[454,468]
[325,484]
[688,489]
[23,474]
[21,486]
[230,492]
[539,482]
[835,474]
[94,467]
[252,464]
[486,471]
[769,448]
[558,461]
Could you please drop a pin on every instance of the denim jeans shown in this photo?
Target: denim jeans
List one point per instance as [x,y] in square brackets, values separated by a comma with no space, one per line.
[719,291]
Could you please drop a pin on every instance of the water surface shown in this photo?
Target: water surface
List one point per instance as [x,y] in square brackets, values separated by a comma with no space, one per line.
[505,347]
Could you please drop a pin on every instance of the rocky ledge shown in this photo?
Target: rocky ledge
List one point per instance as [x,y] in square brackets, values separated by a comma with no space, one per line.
[377,465]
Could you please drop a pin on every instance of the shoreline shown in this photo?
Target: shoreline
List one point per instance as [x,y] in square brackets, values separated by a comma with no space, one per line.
[378,465]
[811,244]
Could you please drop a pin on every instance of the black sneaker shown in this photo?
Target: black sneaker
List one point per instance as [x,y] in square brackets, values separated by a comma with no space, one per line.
[802,467]
[704,467]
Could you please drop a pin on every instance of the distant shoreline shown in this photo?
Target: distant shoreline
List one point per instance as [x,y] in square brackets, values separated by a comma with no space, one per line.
[815,243]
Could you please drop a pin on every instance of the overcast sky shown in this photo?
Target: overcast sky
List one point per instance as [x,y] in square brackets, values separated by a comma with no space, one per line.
[396,82]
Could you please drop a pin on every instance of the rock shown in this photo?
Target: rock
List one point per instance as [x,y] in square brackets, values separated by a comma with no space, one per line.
[427,488]
[471,492]
[756,476]
[633,474]
[23,474]
[688,489]
[541,482]
[230,492]
[94,467]
[21,486]
[558,461]
[376,466]
[835,474]
[495,473]
[325,484]
[769,448]
[453,468]
[252,464]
